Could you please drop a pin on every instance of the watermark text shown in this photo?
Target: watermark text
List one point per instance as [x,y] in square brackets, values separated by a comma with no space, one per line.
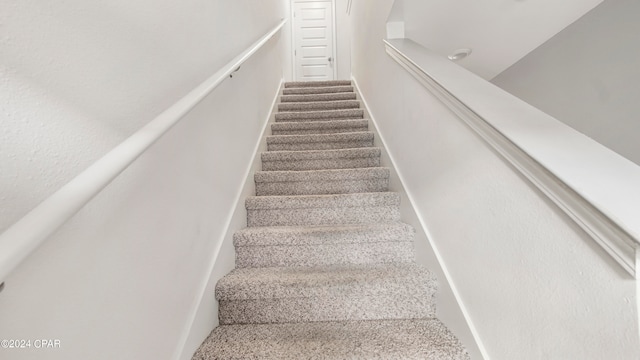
[30,344]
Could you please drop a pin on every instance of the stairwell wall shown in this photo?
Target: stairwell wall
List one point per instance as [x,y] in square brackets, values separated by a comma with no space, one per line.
[124,277]
[499,33]
[343,47]
[587,76]
[531,283]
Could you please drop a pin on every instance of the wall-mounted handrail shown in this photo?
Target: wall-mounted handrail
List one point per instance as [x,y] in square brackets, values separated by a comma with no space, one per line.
[28,233]
[594,186]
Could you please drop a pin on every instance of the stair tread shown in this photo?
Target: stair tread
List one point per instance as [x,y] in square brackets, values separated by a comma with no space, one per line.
[324,83]
[322,175]
[326,281]
[425,339]
[321,235]
[320,154]
[318,90]
[322,201]
[318,97]
[326,138]
[319,127]
[319,103]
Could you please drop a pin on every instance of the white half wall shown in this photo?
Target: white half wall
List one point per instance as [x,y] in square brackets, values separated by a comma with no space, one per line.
[587,76]
[123,278]
[447,308]
[205,315]
[532,284]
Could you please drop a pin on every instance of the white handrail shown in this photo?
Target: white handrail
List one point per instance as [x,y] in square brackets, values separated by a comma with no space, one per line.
[26,235]
[594,186]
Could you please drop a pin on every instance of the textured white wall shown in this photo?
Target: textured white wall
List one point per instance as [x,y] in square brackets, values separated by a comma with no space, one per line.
[587,76]
[343,35]
[534,285]
[98,71]
[122,278]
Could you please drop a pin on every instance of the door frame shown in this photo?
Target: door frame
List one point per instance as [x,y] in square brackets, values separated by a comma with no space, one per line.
[293,36]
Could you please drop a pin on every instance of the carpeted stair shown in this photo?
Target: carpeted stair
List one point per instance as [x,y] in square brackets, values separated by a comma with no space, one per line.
[325,268]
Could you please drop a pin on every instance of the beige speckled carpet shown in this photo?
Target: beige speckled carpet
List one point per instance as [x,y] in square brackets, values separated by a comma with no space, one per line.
[325,268]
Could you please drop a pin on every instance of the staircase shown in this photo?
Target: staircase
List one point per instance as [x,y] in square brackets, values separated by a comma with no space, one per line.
[325,269]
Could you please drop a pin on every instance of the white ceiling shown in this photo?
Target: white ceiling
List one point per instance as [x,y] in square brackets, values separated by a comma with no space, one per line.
[500,32]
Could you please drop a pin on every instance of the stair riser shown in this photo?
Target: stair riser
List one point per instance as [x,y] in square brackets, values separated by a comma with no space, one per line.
[319,115]
[318,97]
[321,187]
[324,255]
[323,175]
[413,339]
[319,131]
[335,308]
[318,106]
[330,126]
[320,145]
[314,91]
[320,142]
[323,216]
[324,236]
[320,164]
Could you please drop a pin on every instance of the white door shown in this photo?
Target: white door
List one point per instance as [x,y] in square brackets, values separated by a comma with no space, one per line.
[313,40]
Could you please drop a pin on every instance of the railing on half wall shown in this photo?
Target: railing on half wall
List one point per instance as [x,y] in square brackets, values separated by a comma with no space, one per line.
[594,186]
[26,235]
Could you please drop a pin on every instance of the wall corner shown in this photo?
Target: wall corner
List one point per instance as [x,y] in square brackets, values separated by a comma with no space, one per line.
[395,30]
